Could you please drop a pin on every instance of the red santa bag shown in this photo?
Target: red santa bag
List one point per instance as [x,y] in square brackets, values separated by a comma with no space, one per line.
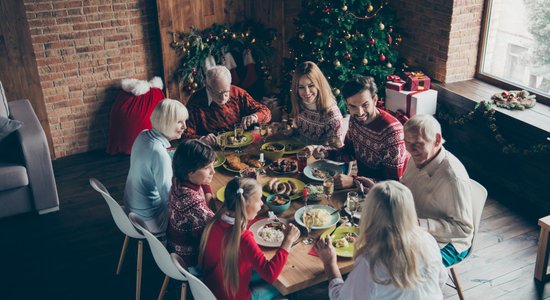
[131,112]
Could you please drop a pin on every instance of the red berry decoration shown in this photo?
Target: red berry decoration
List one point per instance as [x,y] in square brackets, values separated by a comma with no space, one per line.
[347,56]
[372,41]
[382,57]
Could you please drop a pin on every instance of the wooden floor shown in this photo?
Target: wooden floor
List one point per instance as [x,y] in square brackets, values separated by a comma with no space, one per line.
[72,254]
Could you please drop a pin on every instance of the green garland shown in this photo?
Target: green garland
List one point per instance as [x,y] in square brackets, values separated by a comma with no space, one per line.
[196,45]
[485,109]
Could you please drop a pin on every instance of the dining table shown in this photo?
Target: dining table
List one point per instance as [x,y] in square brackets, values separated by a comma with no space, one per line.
[303,268]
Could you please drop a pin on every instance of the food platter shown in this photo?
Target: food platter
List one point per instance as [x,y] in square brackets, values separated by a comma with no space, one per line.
[293,196]
[220,159]
[340,233]
[244,158]
[292,146]
[247,139]
[284,166]
[321,169]
[260,225]
[334,218]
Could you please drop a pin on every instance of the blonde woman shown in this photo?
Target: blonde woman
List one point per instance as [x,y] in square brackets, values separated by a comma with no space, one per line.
[394,257]
[150,176]
[317,118]
[228,252]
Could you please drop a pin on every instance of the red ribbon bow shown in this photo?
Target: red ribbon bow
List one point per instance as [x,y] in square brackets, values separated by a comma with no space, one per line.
[394,78]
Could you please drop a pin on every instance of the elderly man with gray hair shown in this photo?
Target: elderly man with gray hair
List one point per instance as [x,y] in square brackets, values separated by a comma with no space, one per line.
[220,105]
[441,188]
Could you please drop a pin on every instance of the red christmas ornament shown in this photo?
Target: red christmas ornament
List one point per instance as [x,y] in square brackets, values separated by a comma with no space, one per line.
[372,41]
[390,40]
[347,56]
[382,57]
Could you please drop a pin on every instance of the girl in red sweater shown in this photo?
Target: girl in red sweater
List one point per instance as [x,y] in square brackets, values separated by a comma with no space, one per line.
[228,251]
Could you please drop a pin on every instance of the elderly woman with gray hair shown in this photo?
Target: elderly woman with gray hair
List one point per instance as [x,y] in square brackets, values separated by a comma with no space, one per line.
[220,105]
[150,176]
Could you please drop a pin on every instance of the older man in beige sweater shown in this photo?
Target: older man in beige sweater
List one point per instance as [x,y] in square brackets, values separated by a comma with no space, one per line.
[441,188]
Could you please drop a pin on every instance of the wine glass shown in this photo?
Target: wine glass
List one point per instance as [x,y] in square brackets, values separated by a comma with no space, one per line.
[328,187]
[261,160]
[222,140]
[352,203]
[238,132]
[307,217]
[302,157]
[264,131]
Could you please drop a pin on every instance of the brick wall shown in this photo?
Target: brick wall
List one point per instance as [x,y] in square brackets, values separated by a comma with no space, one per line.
[440,37]
[83,49]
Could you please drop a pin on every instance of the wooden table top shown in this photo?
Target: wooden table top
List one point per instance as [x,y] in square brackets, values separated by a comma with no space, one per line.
[301,269]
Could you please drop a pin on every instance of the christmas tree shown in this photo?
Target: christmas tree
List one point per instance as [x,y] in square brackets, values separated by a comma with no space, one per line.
[344,38]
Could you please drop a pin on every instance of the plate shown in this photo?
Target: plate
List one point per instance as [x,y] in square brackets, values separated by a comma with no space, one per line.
[282,173]
[228,168]
[297,146]
[300,184]
[324,166]
[248,139]
[220,194]
[335,218]
[258,225]
[220,159]
[340,233]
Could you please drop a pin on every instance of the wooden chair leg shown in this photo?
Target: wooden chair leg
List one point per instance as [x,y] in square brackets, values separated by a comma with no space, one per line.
[183,291]
[541,266]
[138,270]
[457,284]
[122,254]
[163,287]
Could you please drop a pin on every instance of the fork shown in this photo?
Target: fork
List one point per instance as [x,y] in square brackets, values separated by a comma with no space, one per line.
[273,217]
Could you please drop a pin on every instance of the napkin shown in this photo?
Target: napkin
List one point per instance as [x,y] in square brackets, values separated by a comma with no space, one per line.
[313,252]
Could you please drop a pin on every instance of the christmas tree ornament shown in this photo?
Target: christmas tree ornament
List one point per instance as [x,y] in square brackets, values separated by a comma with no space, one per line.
[390,29]
[301,36]
[233,36]
[195,85]
[344,8]
[390,39]
[347,56]
[381,26]
[347,36]
[365,61]
[337,63]
[190,79]
[336,92]
[370,8]
[382,57]
[372,41]
[319,33]
[389,65]
[398,40]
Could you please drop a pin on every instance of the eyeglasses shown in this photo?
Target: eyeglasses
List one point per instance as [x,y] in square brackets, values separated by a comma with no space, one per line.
[220,94]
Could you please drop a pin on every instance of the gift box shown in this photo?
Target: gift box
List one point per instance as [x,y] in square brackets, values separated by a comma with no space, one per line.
[412,102]
[417,81]
[395,83]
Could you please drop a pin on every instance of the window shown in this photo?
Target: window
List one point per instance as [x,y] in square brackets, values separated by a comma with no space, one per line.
[515,49]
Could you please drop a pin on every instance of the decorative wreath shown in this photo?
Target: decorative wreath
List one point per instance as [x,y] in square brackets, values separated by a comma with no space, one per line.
[514,100]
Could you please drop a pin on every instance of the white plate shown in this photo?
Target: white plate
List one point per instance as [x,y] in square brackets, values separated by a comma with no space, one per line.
[335,217]
[322,165]
[256,227]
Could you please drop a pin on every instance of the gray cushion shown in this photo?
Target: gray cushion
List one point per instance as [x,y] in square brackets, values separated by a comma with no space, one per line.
[12,176]
[7,126]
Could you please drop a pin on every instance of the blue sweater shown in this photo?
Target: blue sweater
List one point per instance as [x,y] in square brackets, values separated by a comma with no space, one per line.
[150,178]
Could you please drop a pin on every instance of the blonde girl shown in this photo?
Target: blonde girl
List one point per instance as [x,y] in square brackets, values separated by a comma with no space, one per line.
[394,257]
[228,251]
[317,118]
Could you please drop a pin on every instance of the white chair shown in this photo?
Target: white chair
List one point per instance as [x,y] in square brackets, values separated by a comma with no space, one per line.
[124,224]
[162,257]
[479,196]
[198,288]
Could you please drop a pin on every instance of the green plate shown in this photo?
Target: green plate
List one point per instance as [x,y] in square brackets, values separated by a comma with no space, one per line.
[225,166]
[295,144]
[248,139]
[220,194]
[300,184]
[220,159]
[340,233]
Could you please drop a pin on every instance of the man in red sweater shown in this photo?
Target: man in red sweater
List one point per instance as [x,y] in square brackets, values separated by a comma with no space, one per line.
[374,138]
[219,106]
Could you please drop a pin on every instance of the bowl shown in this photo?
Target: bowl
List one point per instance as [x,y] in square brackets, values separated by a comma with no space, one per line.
[275,207]
[273,150]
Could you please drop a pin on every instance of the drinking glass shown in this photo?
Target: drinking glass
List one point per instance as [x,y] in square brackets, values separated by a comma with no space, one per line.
[238,132]
[222,140]
[308,222]
[328,187]
[353,204]
[264,131]
[302,157]
[261,160]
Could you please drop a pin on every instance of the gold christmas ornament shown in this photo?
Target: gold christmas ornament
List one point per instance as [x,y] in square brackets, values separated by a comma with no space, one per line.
[234,36]
[190,79]
[194,85]
[336,92]
[370,8]
[337,63]
[365,61]
[301,36]
[347,36]
[382,26]
[319,33]
[399,39]
[389,65]
[344,8]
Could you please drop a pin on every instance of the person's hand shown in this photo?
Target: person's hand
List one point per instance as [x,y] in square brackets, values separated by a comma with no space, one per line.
[292,233]
[309,150]
[249,120]
[342,181]
[326,251]
[320,153]
[209,139]
[366,182]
